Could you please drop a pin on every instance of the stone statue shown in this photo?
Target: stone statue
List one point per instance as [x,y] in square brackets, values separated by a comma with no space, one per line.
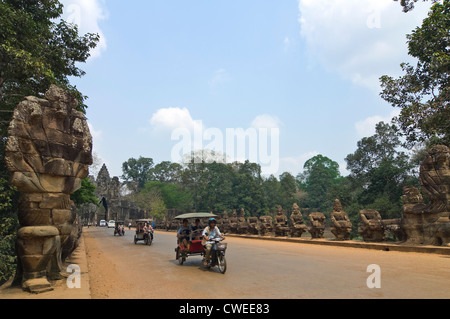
[49,151]
[429,224]
[341,226]
[242,225]
[317,227]
[371,227]
[233,225]
[280,226]
[225,223]
[253,225]
[297,227]
[266,226]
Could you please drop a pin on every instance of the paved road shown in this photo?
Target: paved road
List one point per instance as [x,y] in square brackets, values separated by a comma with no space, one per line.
[263,270]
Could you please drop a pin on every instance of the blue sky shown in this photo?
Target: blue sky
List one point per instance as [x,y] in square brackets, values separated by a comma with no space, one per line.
[307,67]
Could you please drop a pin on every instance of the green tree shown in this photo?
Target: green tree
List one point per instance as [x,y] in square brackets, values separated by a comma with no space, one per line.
[423,93]
[173,195]
[380,169]
[86,194]
[319,175]
[167,172]
[38,49]
[151,201]
[137,172]
[408,5]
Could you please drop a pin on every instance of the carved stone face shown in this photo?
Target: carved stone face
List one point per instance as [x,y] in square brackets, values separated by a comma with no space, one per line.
[49,147]
[337,207]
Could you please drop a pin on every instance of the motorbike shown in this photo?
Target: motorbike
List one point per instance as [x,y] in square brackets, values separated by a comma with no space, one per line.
[217,255]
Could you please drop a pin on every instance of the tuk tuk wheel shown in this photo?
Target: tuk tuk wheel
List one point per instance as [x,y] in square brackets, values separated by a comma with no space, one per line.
[135,240]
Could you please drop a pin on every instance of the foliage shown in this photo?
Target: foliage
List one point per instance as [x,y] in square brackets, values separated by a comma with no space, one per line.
[408,5]
[152,202]
[137,171]
[423,93]
[318,178]
[379,169]
[86,194]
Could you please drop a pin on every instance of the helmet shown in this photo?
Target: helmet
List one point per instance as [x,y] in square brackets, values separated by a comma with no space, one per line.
[212,220]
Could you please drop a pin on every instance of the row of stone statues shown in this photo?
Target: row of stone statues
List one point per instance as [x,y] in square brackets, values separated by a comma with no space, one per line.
[49,151]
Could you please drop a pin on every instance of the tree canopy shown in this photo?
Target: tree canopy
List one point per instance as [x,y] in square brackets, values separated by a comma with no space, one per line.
[423,93]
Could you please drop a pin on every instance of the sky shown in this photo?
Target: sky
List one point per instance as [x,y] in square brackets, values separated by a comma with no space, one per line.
[300,77]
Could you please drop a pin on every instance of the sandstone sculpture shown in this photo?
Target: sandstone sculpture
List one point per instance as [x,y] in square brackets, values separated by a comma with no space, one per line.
[242,224]
[280,223]
[371,227]
[224,222]
[429,224]
[266,225]
[297,227]
[317,227]
[341,225]
[233,225]
[49,151]
[253,225]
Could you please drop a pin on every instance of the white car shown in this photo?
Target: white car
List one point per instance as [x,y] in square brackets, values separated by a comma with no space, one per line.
[102,223]
[111,224]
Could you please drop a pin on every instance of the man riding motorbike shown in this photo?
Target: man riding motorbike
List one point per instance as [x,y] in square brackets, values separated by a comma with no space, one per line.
[209,234]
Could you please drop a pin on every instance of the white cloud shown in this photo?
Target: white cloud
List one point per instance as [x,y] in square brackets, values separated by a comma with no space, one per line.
[359,39]
[366,127]
[265,121]
[87,14]
[168,119]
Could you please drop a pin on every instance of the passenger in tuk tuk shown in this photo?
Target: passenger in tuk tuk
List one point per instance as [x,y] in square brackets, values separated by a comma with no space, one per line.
[197,230]
[184,235]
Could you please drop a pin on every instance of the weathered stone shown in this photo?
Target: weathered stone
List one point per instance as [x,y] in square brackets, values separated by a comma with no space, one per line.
[341,225]
[298,226]
[280,223]
[266,227]
[371,227]
[48,152]
[429,224]
[317,221]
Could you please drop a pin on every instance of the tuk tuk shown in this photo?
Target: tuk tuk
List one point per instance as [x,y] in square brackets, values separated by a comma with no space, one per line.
[195,245]
[119,229]
[144,231]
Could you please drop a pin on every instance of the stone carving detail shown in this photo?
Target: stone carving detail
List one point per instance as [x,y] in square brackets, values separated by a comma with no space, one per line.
[233,222]
[49,151]
[266,226]
[242,225]
[253,225]
[341,225]
[317,227]
[280,223]
[297,227]
[371,227]
[224,222]
[117,207]
[429,224]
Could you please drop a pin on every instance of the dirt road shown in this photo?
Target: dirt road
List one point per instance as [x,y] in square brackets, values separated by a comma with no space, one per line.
[257,270]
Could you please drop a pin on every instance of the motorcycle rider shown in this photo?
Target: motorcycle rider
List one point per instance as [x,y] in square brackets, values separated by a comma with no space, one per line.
[209,233]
